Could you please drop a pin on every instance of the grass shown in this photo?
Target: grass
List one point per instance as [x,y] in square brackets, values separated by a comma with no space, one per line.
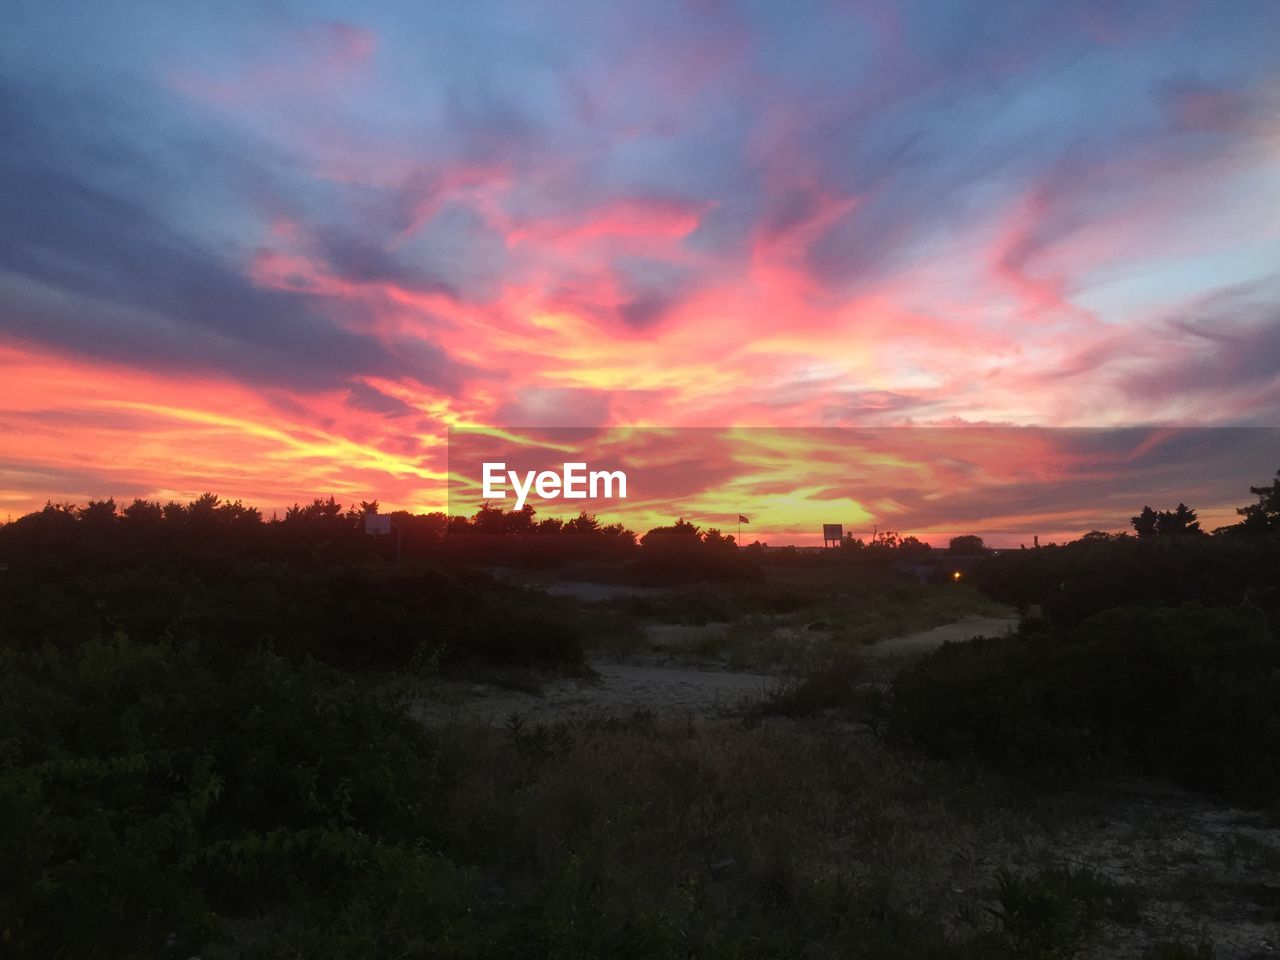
[635,836]
[749,839]
[782,825]
[797,622]
[1180,950]
[770,834]
[1048,913]
[1252,897]
[781,830]
[840,686]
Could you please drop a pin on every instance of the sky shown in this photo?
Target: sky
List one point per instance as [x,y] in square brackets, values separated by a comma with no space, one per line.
[1013,486]
[276,250]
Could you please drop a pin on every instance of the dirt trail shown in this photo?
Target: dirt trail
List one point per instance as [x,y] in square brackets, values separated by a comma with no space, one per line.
[917,644]
[620,689]
[623,688]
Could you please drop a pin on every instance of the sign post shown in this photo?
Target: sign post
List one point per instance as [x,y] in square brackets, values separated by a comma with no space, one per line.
[832,533]
[380,525]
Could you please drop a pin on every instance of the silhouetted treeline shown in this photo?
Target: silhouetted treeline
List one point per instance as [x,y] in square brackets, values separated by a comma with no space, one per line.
[682,552]
[1170,560]
[325,532]
[322,530]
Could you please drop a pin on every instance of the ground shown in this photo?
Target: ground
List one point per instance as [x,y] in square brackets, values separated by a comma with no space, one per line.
[1176,868]
[661,682]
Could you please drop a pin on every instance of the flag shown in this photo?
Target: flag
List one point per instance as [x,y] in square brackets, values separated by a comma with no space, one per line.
[742,519]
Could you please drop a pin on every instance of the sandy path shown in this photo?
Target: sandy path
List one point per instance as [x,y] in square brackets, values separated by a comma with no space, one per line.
[620,689]
[917,644]
[598,592]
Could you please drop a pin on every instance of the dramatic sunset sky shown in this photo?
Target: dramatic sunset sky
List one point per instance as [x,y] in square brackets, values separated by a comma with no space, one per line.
[276,250]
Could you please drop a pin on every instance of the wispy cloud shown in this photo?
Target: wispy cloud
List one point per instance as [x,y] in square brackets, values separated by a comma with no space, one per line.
[292,251]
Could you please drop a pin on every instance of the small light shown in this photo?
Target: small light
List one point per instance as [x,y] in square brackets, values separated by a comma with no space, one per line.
[956,575]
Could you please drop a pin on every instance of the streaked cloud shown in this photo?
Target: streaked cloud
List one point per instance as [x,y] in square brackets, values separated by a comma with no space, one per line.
[278,251]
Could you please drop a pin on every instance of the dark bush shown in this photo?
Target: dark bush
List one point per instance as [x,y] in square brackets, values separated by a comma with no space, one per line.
[348,615]
[142,794]
[665,567]
[683,553]
[1189,692]
[1073,582]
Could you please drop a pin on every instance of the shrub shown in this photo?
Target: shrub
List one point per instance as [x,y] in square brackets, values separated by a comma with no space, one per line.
[352,616]
[1074,582]
[1047,913]
[1188,692]
[142,793]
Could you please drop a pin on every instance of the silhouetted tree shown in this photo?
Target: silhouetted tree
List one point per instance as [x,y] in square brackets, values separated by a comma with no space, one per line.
[617,532]
[910,547]
[1180,521]
[1146,523]
[967,545]
[681,533]
[519,521]
[582,523]
[98,514]
[714,538]
[550,525]
[682,553]
[202,513]
[143,515]
[237,516]
[885,540]
[488,519]
[1100,536]
[1263,516]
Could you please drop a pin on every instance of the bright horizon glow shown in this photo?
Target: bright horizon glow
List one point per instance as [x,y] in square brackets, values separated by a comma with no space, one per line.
[1008,485]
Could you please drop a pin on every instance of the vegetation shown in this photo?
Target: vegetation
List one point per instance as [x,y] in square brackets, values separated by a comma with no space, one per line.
[798,622]
[682,553]
[1157,654]
[1068,584]
[206,746]
[346,615]
[1190,692]
[145,791]
[323,531]
[154,805]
